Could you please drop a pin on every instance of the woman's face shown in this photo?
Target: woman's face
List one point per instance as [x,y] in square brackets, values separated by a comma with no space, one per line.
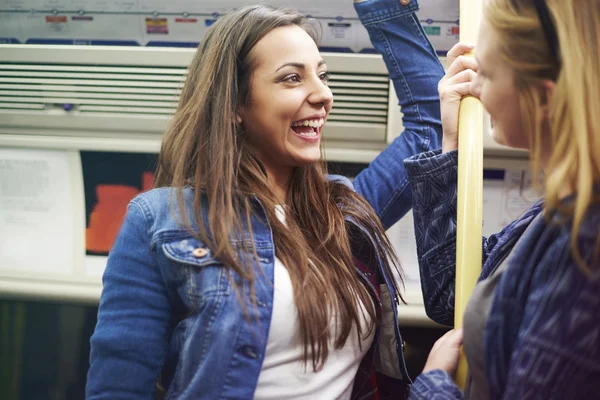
[495,86]
[289,100]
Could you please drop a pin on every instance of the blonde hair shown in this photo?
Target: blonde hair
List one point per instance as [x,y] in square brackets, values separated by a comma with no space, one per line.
[573,137]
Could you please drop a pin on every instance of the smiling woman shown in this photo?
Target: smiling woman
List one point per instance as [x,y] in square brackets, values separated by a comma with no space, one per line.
[250,272]
[289,103]
[282,82]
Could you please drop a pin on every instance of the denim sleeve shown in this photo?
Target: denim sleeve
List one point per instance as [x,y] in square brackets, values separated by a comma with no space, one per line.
[435,384]
[129,343]
[415,71]
[433,177]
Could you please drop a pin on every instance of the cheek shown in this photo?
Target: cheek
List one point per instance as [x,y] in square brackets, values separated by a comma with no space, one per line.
[518,136]
[508,123]
[486,99]
[281,111]
[493,105]
[270,102]
[477,85]
[497,104]
[271,118]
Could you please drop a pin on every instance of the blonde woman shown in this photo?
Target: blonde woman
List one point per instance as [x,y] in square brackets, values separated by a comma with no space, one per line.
[532,326]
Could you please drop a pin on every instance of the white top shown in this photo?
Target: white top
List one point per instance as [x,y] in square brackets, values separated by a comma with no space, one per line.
[283,374]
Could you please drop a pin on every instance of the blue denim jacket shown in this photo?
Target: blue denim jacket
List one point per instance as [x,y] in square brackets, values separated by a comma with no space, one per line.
[542,336]
[165,311]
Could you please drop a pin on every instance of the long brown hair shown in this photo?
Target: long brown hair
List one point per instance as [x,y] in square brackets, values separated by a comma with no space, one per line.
[574,133]
[206,148]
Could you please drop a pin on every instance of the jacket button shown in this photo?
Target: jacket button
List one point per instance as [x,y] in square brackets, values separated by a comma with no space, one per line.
[199,252]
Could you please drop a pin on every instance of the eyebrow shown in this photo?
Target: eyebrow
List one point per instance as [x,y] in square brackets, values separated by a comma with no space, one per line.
[299,65]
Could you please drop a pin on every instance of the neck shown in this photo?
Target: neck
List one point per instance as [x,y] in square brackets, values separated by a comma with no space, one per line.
[279,180]
[566,189]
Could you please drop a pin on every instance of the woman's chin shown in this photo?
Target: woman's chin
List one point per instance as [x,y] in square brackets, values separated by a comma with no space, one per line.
[514,141]
[498,137]
[308,157]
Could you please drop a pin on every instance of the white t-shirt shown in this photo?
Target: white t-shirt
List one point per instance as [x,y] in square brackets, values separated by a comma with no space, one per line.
[283,374]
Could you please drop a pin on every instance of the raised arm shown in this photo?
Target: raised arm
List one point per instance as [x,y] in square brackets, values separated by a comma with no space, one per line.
[415,71]
[129,344]
[433,176]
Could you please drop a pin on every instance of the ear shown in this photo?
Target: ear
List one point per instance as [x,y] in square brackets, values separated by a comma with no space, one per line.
[547,89]
[238,117]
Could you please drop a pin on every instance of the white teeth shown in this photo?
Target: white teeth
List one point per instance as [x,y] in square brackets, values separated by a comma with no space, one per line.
[315,123]
[310,134]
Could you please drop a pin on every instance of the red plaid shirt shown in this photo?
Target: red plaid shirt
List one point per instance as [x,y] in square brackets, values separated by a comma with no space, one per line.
[369,384]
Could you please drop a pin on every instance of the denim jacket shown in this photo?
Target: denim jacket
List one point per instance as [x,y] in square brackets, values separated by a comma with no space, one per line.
[542,336]
[168,311]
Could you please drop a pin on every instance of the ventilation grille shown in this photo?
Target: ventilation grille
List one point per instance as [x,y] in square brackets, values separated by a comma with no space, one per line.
[154,91]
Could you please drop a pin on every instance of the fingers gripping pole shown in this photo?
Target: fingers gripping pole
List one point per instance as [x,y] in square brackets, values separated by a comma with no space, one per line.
[470,185]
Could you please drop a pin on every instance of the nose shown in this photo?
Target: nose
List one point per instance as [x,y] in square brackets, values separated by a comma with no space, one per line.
[321,94]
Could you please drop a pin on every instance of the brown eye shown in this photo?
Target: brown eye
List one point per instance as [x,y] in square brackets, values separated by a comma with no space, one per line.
[292,78]
[324,77]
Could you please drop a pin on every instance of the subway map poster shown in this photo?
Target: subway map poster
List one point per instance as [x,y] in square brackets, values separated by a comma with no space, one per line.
[182,23]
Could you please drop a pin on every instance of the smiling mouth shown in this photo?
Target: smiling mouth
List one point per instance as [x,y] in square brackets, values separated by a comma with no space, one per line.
[308,128]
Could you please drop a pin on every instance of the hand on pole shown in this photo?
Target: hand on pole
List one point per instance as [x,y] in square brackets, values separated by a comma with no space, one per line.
[457,83]
[445,352]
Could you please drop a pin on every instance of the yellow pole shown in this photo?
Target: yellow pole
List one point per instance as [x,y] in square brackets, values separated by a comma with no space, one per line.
[470,186]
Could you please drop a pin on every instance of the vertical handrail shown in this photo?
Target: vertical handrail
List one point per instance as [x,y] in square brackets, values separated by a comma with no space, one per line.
[470,186]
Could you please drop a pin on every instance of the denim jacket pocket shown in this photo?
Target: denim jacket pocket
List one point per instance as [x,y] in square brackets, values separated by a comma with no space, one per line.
[203,275]
[200,288]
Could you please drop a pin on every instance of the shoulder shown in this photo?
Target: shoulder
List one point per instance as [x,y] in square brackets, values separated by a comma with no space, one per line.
[156,200]
[590,226]
[528,217]
[155,197]
[544,270]
[545,301]
[340,179]
[160,207]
